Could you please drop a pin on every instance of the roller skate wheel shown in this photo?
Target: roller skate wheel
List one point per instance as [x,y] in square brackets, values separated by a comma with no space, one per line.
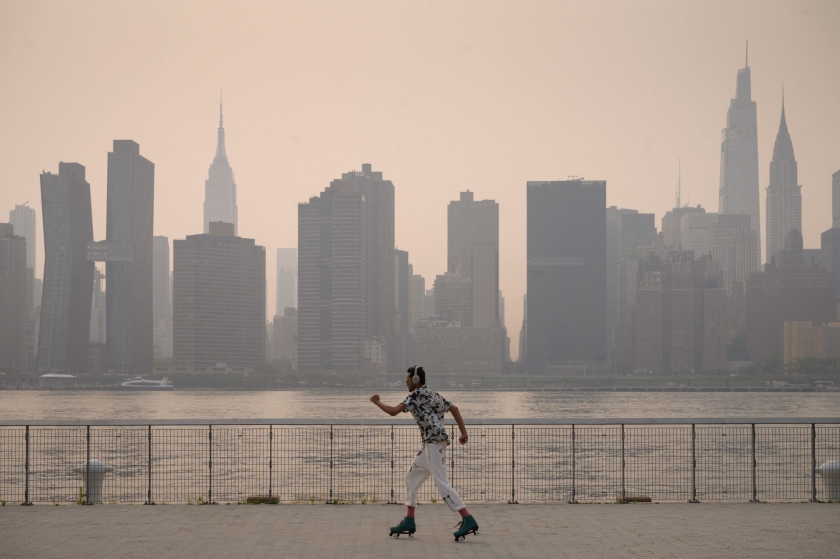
[411,536]
[395,535]
[460,538]
[476,532]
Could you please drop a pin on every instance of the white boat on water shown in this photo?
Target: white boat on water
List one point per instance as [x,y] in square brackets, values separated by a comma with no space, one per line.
[139,383]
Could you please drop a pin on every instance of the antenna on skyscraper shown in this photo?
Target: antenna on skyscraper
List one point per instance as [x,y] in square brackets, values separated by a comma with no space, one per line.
[747,60]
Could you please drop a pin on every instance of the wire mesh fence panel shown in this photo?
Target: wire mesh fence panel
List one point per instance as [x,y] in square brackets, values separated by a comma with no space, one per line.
[126,451]
[257,479]
[361,464]
[180,465]
[658,462]
[13,464]
[484,468]
[543,463]
[228,470]
[783,463]
[301,457]
[827,449]
[724,463]
[345,464]
[598,463]
[53,453]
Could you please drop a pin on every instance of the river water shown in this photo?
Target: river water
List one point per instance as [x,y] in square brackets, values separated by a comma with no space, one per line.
[354,404]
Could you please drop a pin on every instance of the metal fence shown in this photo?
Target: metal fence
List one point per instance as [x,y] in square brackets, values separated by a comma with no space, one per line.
[351,461]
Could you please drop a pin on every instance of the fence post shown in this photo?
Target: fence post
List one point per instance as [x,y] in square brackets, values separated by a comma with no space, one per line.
[693,465]
[452,457]
[754,465]
[391,501]
[513,500]
[87,469]
[814,463]
[573,500]
[330,500]
[26,500]
[149,491]
[270,458]
[210,465]
[623,490]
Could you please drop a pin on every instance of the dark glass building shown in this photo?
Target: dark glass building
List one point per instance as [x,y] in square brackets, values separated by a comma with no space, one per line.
[219,300]
[129,257]
[346,271]
[68,275]
[567,256]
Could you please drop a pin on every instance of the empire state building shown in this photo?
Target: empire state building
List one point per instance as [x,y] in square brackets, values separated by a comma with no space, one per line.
[220,188]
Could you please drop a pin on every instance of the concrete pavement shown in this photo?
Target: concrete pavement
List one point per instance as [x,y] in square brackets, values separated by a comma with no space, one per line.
[705,530]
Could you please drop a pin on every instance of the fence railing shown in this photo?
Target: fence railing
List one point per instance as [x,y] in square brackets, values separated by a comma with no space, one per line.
[334,461]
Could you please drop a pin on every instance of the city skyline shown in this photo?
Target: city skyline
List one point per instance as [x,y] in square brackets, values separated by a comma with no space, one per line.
[284,153]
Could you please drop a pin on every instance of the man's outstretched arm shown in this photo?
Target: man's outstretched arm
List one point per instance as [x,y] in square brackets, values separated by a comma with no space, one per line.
[390,410]
[456,414]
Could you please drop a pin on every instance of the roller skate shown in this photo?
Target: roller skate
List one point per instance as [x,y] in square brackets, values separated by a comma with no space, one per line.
[407,526]
[468,525]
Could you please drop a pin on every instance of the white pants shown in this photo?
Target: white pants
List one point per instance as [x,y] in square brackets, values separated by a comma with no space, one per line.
[431,461]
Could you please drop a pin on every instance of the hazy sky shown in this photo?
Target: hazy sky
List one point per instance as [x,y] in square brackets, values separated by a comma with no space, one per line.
[439,96]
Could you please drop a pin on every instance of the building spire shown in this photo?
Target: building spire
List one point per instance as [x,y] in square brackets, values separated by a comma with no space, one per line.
[783,124]
[220,143]
[747,59]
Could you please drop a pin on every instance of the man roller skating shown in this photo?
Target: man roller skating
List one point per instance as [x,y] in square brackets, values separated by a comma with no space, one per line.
[428,408]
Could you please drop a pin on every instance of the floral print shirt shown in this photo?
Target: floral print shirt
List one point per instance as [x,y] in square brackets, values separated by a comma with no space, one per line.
[428,408]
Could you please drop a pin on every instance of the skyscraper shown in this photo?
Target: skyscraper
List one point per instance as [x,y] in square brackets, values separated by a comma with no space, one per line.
[626,229]
[220,188]
[416,302]
[671,225]
[830,239]
[739,192]
[97,312]
[485,285]
[219,299]
[14,300]
[346,271]
[453,299]
[566,305]
[402,310]
[23,220]
[729,239]
[787,290]
[160,271]
[68,275]
[473,252]
[162,315]
[284,337]
[286,280]
[679,314]
[784,195]
[469,222]
[129,256]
